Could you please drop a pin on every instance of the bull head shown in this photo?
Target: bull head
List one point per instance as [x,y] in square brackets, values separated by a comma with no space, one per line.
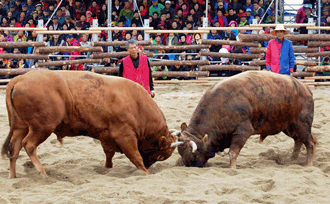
[193,153]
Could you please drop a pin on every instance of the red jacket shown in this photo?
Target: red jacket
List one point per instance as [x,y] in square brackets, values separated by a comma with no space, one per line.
[139,75]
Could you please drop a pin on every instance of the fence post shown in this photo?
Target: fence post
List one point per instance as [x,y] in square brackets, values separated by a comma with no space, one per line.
[254,21]
[40,37]
[95,35]
[205,24]
[146,25]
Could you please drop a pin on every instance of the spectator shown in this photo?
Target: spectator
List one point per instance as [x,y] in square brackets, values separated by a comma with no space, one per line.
[136,19]
[232,15]
[178,5]
[126,11]
[257,9]
[55,23]
[57,40]
[280,56]
[248,5]
[168,8]
[65,11]
[4,22]
[185,10]
[85,25]
[102,15]
[243,22]
[60,17]
[68,23]
[249,17]
[144,12]
[235,5]
[221,4]
[117,7]
[3,12]
[94,8]
[136,67]
[78,9]
[156,7]
[89,19]
[325,61]
[220,18]
[20,35]
[172,39]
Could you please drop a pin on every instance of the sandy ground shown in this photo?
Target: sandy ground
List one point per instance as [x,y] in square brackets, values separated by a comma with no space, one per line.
[264,174]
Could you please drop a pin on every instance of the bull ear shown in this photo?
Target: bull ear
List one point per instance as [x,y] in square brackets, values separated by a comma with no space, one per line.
[162,143]
[183,127]
[205,138]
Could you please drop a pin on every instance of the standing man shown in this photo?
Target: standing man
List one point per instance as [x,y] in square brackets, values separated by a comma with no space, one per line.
[136,67]
[280,56]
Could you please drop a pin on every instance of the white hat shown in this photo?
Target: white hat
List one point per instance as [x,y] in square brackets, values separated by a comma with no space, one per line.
[279,27]
[223,59]
[168,2]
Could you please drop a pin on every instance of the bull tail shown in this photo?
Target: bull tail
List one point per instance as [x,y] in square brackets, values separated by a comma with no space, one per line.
[7,145]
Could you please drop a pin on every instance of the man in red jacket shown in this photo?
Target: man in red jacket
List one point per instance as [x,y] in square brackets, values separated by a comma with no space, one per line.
[136,67]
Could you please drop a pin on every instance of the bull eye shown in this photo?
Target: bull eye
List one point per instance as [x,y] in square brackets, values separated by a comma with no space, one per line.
[160,158]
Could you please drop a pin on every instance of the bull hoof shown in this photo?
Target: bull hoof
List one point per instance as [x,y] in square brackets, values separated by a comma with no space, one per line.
[308,164]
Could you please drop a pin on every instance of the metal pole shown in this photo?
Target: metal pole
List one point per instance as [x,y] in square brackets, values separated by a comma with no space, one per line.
[276,12]
[110,48]
[146,25]
[206,8]
[319,21]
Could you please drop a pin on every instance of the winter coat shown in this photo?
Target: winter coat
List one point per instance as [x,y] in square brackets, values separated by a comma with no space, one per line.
[280,56]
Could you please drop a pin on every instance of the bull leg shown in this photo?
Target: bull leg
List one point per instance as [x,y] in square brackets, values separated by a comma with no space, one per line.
[296,149]
[305,136]
[30,144]
[290,131]
[129,145]
[240,136]
[109,153]
[18,135]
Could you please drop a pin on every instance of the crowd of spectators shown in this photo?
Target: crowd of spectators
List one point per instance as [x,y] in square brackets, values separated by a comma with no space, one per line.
[162,14]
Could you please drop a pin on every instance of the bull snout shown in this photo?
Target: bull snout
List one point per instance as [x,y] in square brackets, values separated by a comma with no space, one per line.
[195,162]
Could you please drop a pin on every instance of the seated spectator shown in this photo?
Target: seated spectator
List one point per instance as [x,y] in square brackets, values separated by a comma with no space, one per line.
[325,61]
[160,69]
[182,40]
[233,24]
[126,11]
[168,8]
[5,22]
[102,15]
[220,18]
[155,7]
[232,15]
[235,5]
[257,9]
[249,16]
[243,22]
[55,23]
[78,9]
[172,39]
[221,4]
[84,25]
[89,19]
[272,17]
[65,11]
[20,35]
[185,9]
[60,17]
[144,12]
[136,19]
[248,5]
[94,8]
[68,22]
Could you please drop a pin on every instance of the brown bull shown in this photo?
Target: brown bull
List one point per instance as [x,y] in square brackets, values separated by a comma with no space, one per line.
[114,110]
[250,103]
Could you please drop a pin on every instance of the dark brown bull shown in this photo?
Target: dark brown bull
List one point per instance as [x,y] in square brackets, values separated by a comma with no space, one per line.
[114,110]
[250,103]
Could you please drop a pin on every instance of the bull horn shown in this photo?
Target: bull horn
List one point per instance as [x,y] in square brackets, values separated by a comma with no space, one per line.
[193,145]
[175,132]
[175,144]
